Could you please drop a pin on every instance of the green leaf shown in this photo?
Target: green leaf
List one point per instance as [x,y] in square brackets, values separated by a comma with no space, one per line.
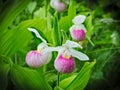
[78,82]
[5,65]
[67,81]
[40,13]
[89,25]
[28,79]
[82,78]
[31,6]
[19,37]
[71,11]
[10,10]
[56,31]
[64,23]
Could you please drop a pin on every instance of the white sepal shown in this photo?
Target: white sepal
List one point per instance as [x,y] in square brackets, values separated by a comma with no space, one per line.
[79,19]
[41,46]
[37,34]
[50,49]
[71,44]
[79,55]
[83,27]
[77,27]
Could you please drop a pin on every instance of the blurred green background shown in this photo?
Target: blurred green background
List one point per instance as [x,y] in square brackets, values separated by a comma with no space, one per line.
[102,44]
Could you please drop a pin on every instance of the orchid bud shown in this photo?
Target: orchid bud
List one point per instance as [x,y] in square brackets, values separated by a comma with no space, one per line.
[57,5]
[78,30]
[36,59]
[78,35]
[64,64]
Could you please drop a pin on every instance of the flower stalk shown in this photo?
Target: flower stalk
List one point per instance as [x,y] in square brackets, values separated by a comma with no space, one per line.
[56,31]
[58,78]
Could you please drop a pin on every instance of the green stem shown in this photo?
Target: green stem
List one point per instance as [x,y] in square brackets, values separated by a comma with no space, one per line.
[46,5]
[44,68]
[56,31]
[58,78]
[90,41]
[15,58]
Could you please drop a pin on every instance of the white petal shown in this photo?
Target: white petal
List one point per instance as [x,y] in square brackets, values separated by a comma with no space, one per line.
[79,19]
[82,27]
[41,46]
[72,44]
[79,55]
[50,49]
[77,27]
[37,34]
[53,2]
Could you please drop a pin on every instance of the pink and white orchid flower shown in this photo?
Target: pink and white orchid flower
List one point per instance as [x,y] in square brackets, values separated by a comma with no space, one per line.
[36,58]
[78,30]
[58,5]
[64,62]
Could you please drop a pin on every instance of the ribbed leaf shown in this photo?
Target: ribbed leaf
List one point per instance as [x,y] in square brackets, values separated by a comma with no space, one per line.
[28,79]
[66,21]
[31,6]
[71,10]
[10,10]
[56,31]
[82,78]
[67,81]
[89,26]
[79,81]
[17,38]
[4,69]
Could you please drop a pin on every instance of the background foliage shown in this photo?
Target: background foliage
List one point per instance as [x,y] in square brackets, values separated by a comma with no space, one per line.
[102,43]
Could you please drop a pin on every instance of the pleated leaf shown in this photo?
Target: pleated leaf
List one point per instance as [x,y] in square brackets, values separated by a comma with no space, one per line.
[66,21]
[19,37]
[82,78]
[71,11]
[79,81]
[10,10]
[4,70]
[28,79]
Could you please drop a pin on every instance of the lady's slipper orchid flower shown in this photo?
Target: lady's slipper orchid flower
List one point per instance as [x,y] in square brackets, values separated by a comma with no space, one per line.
[78,30]
[57,5]
[36,58]
[64,62]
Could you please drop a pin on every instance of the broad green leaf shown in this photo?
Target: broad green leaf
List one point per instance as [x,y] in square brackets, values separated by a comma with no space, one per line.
[31,6]
[89,25]
[71,11]
[28,79]
[64,23]
[5,65]
[58,88]
[56,31]
[19,37]
[67,81]
[40,13]
[82,78]
[10,10]
[79,81]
